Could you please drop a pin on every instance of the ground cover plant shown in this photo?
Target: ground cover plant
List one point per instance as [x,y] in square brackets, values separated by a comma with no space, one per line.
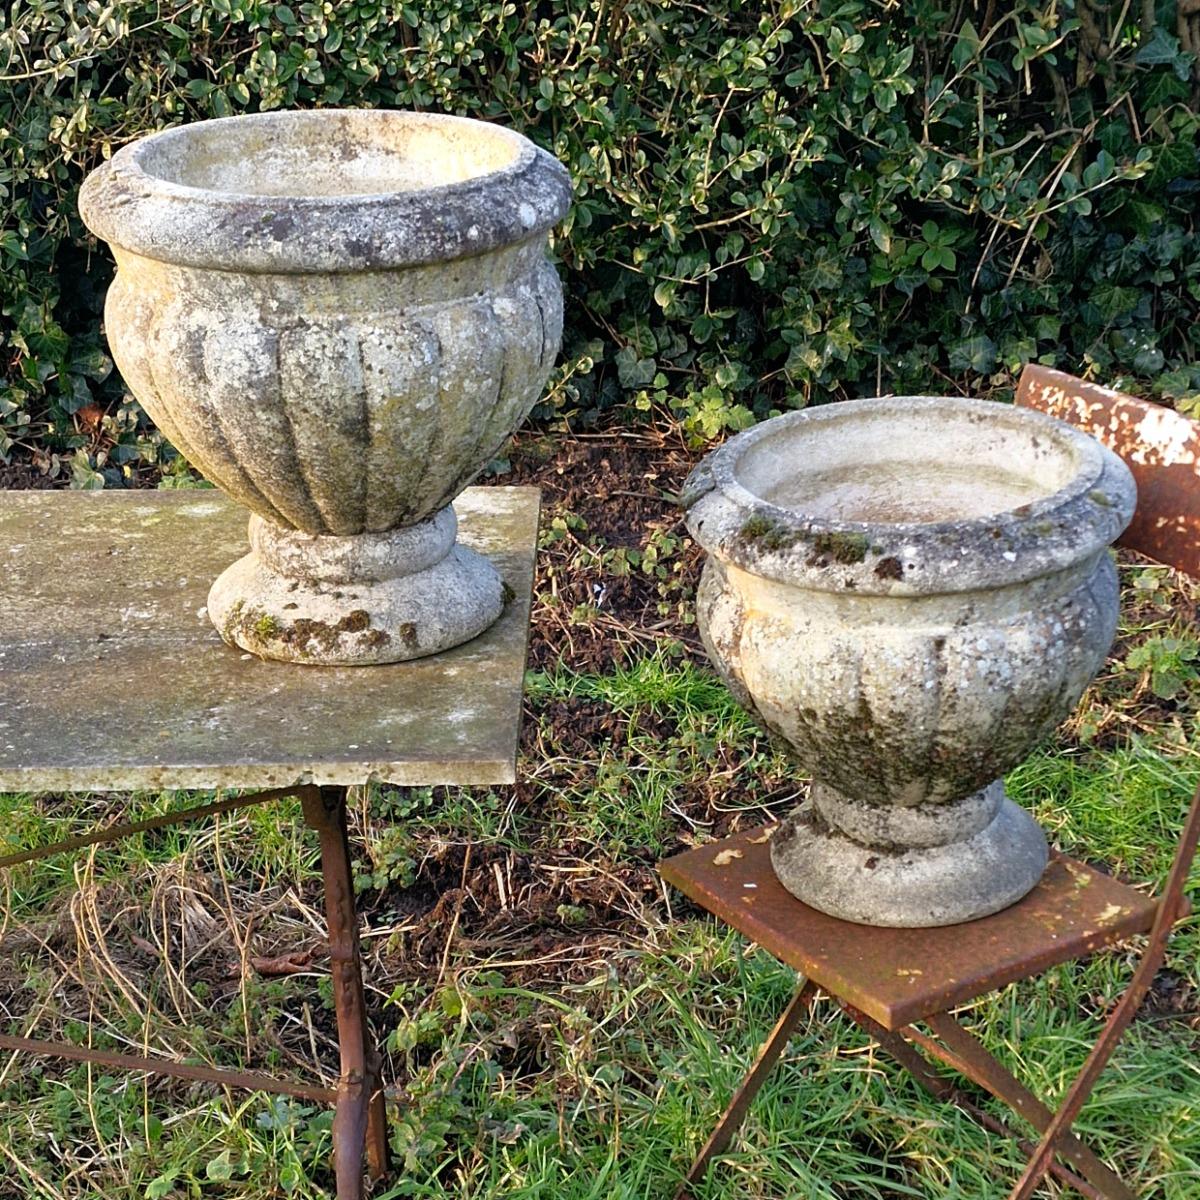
[558,1024]
[776,203]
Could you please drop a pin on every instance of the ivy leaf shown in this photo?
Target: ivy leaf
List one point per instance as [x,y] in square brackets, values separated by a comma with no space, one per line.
[908,281]
[634,372]
[977,354]
[1149,361]
[1112,301]
[162,1185]
[1164,49]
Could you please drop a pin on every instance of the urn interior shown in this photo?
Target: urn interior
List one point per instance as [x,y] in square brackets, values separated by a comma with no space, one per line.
[313,154]
[916,466]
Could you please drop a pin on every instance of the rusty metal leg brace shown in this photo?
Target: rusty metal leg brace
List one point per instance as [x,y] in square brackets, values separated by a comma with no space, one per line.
[359,1119]
[943,1089]
[1170,908]
[735,1112]
[962,1052]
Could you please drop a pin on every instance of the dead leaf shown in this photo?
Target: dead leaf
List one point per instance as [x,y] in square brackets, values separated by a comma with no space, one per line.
[726,857]
[283,964]
[90,415]
[145,946]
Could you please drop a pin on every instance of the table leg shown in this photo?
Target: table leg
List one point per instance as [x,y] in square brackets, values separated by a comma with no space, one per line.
[896,1045]
[359,1119]
[735,1112]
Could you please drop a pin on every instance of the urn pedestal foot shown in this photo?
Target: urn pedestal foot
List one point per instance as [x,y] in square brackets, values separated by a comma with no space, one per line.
[932,864]
[357,600]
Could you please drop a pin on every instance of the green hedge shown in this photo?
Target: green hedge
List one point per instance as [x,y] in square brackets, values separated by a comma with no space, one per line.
[778,203]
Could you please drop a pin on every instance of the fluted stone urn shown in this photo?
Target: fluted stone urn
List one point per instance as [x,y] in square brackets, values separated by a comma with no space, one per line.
[910,593]
[338,317]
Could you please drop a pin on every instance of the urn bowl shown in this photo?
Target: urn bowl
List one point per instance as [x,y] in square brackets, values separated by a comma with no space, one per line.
[909,592]
[338,317]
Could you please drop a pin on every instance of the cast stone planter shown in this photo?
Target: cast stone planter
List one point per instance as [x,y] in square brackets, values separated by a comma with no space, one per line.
[338,317]
[910,592]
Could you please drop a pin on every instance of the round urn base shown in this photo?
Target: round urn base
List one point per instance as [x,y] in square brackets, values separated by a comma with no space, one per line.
[355,601]
[934,864]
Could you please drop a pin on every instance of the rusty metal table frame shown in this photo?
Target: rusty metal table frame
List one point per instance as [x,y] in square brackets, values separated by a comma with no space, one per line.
[163,549]
[359,1120]
[890,980]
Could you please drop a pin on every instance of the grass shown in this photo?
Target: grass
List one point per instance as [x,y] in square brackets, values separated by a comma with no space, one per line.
[557,1024]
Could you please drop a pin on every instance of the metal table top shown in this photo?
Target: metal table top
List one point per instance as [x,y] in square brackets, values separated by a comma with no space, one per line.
[113,678]
[897,976]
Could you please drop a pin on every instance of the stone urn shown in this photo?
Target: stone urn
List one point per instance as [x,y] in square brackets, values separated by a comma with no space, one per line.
[338,317]
[910,592]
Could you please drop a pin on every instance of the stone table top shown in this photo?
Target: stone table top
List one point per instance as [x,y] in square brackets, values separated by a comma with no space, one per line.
[112,678]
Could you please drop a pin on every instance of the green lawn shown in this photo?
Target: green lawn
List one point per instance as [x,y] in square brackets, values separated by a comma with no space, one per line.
[557,1024]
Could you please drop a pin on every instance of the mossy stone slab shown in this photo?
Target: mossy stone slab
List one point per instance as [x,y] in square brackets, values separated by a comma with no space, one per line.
[112,677]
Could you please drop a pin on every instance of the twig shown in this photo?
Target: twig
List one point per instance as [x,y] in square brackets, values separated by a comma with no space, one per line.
[462,892]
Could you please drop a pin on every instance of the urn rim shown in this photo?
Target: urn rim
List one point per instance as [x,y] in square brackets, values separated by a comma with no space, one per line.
[189,195]
[1065,527]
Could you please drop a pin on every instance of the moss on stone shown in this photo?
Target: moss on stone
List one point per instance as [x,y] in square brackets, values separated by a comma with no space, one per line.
[325,635]
[266,626]
[766,534]
[844,548]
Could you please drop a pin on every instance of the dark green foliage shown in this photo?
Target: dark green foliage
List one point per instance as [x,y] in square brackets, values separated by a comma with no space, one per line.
[778,203]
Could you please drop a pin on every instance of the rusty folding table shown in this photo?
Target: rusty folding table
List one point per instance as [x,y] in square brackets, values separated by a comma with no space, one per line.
[113,679]
[889,980]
